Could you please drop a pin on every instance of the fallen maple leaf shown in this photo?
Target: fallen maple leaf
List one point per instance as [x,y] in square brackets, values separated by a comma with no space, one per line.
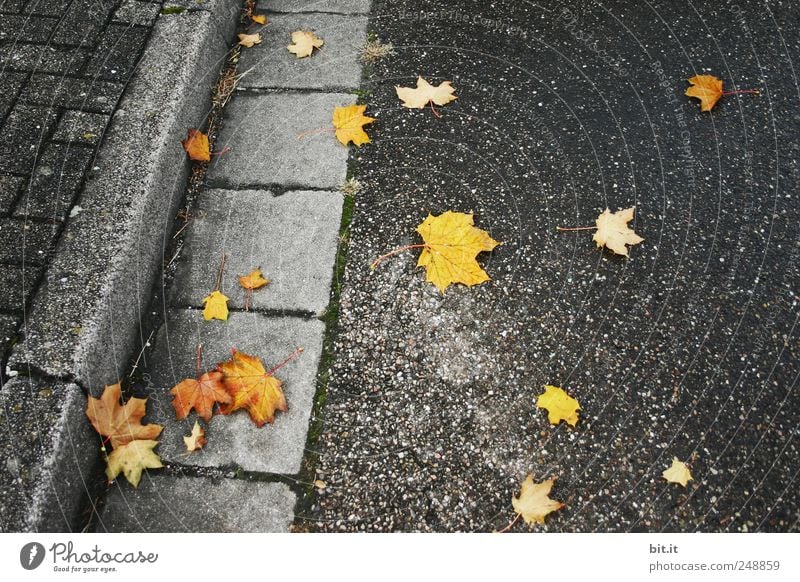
[349,123]
[707,88]
[200,395]
[451,246]
[248,40]
[131,459]
[253,280]
[426,93]
[196,145]
[678,472]
[215,306]
[559,405]
[197,439]
[613,231]
[304,42]
[259,18]
[534,502]
[252,387]
[120,424]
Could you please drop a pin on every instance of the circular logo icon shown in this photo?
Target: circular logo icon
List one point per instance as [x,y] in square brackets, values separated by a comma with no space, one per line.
[31,555]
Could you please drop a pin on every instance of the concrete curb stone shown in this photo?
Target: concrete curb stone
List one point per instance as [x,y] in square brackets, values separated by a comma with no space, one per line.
[335,6]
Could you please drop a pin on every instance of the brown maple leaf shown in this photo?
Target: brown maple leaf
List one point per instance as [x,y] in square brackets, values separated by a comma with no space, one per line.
[200,395]
[120,424]
[196,145]
[252,387]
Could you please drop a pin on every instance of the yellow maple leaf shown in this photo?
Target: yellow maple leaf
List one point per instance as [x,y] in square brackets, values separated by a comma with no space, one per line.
[349,123]
[678,472]
[131,459]
[304,42]
[248,40]
[452,244]
[196,145]
[534,502]
[252,388]
[215,306]
[707,88]
[197,439]
[425,93]
[559,405]
[259,18]
[613,231]
[253,280]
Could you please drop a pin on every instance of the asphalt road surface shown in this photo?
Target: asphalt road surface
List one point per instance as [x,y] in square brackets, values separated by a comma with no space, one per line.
[688,348]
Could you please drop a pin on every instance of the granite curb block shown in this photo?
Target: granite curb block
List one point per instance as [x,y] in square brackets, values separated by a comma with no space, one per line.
[234,441]
[167,504]
[85,318]
[49,451]
[334,6]
[292,237]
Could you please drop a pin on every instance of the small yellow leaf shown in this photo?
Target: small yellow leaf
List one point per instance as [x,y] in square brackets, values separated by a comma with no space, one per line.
[534,502]
[678,472]
[196,145]
[613,231]
[707,88]
[349,123]
[320,484]
[259,18]
[197,439]
[248,40]
[304,42]
[253,280]
[559,405]
[131,459]
[216,306]
[426,93]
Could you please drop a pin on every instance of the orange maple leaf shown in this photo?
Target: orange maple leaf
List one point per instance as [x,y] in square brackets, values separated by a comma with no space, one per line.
[200,394]
[252,387]
[196,145]
[707,88]
[121,424]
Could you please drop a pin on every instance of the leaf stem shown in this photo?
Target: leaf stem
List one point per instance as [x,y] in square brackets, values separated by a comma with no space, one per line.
[199,358]
[510,525]
[436,113]
[380,259]
[219,273]
[565,228]
[224,150]
[753,91]
[291,357]
[314,131]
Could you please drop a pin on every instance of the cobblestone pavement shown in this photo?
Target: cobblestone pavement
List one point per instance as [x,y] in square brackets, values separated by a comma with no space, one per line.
[63,67]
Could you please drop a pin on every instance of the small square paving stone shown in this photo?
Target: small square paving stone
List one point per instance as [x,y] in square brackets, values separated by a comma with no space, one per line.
[81,127]
[339,6]
[262,132]
[83,22]
[8,329]
[335,66]
[9,188]
[10,84]
[86,95]
[42,59]
[163,503]
[117,53]
[137,12]
[16,285]
[293,238]
[22,239]
[26,28]
[235,440]
[21,136]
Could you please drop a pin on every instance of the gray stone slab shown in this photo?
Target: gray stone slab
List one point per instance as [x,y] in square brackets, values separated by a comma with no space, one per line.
[293,238]
[338,6]
[269,152]
[234,439]
[163,503]
[48,452]
[335,66]
[84,320]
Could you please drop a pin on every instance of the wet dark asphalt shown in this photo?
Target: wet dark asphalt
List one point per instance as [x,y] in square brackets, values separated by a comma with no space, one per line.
[687,349]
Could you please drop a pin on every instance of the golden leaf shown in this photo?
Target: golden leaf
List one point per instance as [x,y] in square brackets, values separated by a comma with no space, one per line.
[248,40]
[349,123]
[253,280]
[559,405]
[259,18]
[613,231]
[452,244]
[707,88]
[215,306]
[131,459]
[252,387]
[200,394]
[425,93]
[678,472]
[196,145]
[534,502]
[197,439]
[121,424]
[304,43]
